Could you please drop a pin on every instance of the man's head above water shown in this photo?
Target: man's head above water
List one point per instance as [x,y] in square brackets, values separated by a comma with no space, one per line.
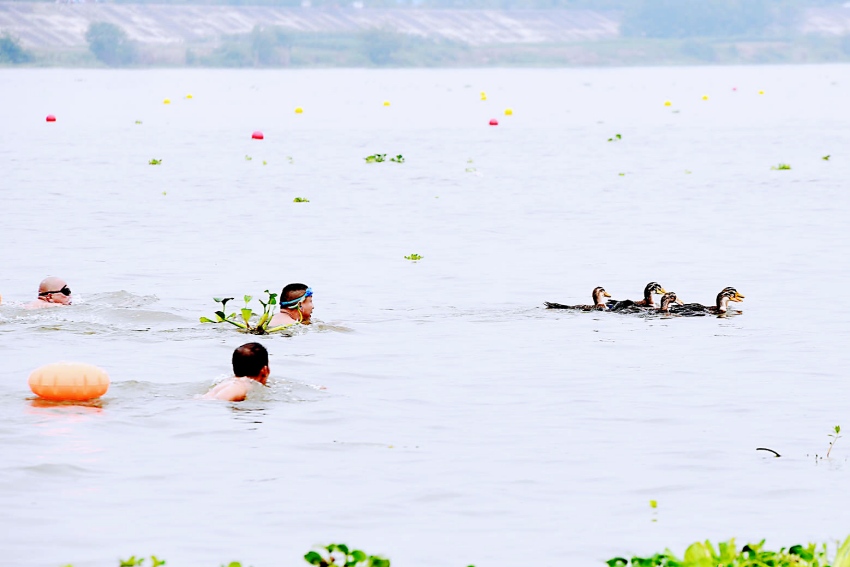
[251,360]
[296,300]
[54,290]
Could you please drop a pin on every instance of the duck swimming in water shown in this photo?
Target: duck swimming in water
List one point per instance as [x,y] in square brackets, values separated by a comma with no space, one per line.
[720,306]
[598,296]
[647,301]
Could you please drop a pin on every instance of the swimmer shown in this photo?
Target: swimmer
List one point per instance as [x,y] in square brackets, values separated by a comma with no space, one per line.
[52,291]
[250,364]
[296,306]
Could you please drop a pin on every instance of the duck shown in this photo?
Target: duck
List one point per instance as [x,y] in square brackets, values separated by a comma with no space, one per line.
[720,306]
[598,296]
[647,301]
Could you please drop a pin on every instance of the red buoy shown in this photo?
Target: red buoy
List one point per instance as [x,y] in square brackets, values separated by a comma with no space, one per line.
[494,122]
[257,135]
[51,118]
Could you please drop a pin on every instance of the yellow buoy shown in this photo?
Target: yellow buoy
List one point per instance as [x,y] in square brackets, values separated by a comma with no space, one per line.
[188,96]
[298,110]
[483,95]
[668,103]
[509,112]
[167,101]
[386,103]
[705,97]
[69,381]
[761,92]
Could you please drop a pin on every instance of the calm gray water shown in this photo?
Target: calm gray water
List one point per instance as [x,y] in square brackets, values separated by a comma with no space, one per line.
[456,422]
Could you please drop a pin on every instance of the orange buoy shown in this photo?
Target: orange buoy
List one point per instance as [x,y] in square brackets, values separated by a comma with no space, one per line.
[257,135]
[494,122]
[69,381]
[51,118]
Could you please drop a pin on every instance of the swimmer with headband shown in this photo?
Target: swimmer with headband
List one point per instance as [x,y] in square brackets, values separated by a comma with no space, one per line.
[296,306]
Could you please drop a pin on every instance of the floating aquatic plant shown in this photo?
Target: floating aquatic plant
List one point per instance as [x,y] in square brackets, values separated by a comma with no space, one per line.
[338,554]
[835,435]
[727,554]
[139,562]
[246,319]
[398,159]
[138,121]
[780,167]
[300,200]
[265,162]
[617,137]
[413,257]
[290,159]
[248,158]
[826,157]
[155,162]
[376,158]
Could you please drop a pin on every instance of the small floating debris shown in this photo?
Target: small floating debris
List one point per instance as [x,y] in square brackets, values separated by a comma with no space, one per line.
[780,167]
[413,257]
[155,162]
[617,137]
[300,200]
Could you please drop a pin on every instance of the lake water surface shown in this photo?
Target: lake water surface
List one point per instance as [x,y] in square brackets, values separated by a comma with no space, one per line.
[440,416]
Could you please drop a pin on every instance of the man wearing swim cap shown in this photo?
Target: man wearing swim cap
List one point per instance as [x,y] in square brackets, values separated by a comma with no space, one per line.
[52,291]
[296,306]
[250,365]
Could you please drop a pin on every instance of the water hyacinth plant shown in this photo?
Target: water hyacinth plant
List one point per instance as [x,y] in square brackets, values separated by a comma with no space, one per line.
[140,562]
[616,138]
[300,200]
[727,554]
[780,167]
[376,158]
[338,554]
[414,257]
[246,319]
[835,435]
[155,162]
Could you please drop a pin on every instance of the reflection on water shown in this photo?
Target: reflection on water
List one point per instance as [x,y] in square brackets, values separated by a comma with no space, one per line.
[437,397]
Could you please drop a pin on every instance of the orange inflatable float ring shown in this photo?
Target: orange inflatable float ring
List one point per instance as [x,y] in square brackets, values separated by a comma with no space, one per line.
[69,381]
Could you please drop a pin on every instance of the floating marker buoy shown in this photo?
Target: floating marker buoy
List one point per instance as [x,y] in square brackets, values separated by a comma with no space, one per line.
[298,110]
[761,92]
[257,135]
[734,89]
[668,103]
[483,95]
[386,103]
[188,96]
[509,112]
[705,97]
[50,118]
[69,381]
[167,101]
[494,122]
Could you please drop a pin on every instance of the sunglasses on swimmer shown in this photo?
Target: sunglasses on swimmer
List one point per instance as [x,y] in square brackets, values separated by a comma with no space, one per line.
[64,291]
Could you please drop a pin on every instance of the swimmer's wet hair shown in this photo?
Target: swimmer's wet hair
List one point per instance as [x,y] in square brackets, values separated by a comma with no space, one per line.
[249,359]
[291,288]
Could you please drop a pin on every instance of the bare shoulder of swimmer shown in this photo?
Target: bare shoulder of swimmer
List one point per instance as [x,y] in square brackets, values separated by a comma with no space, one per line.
[233,390]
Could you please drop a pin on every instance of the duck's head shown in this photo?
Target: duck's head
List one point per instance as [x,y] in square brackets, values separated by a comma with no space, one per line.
[737,296]
[653,287]
[668,299]
[598,295]
[725,296]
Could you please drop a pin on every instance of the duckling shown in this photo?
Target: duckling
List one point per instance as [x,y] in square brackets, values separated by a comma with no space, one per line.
[647,301]
[720,307]
[598,302]
[667,300]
